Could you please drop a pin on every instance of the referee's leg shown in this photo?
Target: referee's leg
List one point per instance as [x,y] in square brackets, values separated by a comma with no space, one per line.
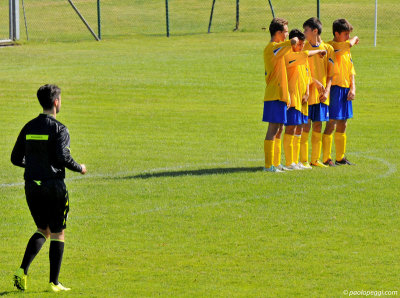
[56,255]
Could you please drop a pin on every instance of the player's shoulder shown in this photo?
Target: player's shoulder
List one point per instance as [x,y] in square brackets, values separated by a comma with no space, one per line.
[327,46]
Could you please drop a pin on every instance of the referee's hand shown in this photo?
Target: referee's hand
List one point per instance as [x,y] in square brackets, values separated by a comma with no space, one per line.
[83,169]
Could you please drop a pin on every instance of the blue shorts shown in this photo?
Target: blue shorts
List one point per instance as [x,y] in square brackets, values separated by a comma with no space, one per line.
[304,119]
[340,108]
[294,117]
[318,112]
[274,111]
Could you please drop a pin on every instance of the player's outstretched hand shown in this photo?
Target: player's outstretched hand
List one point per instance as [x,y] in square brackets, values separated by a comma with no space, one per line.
[322,54]
[83,169]
[354,40]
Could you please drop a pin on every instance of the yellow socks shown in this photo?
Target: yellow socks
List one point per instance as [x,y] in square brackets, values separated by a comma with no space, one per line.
[269,152]
[304,147]
[316,144]
[340,144]
[288,147]
[277,152]
[326,147]
[296,148]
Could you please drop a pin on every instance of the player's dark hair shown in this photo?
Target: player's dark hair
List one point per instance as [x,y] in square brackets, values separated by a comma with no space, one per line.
[277,24]
[297,33]
[313,23]
[340,26]
[47,94]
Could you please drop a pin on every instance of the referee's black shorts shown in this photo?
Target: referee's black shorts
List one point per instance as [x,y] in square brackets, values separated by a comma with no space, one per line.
[49,203]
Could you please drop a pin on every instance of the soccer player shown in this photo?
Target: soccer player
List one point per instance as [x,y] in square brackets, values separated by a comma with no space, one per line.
[342,93]
[42,148]
[322,71]
[298,80]
[276,98]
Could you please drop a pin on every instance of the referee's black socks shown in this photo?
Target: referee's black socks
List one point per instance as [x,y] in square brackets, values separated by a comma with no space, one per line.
[55,255]
[32,249]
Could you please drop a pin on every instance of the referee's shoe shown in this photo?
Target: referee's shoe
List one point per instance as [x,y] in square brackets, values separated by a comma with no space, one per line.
[58,288]
[20,279]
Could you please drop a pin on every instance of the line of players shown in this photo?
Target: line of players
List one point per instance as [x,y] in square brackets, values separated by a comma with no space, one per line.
[308,82]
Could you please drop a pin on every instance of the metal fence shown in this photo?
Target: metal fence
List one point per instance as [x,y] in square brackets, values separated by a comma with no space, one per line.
[56,20]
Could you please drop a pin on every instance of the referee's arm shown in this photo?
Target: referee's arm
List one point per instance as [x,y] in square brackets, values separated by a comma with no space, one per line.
[63,152]
[18,153]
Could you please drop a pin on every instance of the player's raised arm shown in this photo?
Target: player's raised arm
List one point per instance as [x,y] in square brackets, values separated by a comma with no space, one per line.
[353,41]
[321,53]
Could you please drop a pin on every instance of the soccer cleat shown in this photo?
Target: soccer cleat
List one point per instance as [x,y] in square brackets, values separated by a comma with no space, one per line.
[344,161]
[307,165]
[300,166]
[58,288]
[272,169]
[318,164]
[329,163]
[293,166]
[20,279]
[283,168]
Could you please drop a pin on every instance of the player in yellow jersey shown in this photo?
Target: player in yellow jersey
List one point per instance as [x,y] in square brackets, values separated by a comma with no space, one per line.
[298,80]
[322,71]
[276,98]
[343,91]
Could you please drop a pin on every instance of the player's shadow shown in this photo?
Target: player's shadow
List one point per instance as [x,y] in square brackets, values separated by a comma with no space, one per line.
[201,172]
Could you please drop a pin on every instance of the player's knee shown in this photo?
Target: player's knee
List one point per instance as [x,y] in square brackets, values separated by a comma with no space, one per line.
[45,232]
[57,236]
[317,126]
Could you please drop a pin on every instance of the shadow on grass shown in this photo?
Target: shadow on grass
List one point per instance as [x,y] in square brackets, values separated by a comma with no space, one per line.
[201,172]
[17,292]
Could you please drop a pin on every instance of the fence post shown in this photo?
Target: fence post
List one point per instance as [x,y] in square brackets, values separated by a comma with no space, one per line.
[318,10]
[14,19]
[211,16]
[376,22]
[272,8]
[98,19]
[237,16]
[167,16]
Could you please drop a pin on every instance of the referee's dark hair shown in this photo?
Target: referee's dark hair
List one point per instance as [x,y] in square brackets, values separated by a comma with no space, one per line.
[47,94]
[297,33]
[314,23]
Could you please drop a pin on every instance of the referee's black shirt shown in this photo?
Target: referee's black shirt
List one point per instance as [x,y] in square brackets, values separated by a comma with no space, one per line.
[42,148]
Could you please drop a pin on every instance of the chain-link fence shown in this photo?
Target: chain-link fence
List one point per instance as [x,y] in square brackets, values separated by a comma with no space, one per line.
[56,20]
[4,30]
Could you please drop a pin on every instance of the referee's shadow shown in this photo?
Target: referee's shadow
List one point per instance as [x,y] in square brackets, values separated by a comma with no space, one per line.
[200,172]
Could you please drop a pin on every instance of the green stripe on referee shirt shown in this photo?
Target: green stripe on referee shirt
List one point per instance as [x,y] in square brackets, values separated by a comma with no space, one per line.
[37,137]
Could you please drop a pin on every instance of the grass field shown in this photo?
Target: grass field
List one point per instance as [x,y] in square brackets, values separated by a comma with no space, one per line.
[175,202]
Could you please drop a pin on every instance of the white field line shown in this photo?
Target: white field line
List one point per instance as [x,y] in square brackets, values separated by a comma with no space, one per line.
[391,169]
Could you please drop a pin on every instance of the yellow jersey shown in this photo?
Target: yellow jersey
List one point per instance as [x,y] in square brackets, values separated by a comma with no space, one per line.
[321,69]
[298,78]
[275,71]
[344,68]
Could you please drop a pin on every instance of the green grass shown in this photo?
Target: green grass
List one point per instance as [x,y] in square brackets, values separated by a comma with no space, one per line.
[174,203]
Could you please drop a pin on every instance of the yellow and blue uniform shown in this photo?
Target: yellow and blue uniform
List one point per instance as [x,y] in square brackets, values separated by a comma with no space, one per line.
[321,70]
[298,78]
[276,96]
[341,108]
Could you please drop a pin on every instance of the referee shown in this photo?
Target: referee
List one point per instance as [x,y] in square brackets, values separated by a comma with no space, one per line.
[42,148]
